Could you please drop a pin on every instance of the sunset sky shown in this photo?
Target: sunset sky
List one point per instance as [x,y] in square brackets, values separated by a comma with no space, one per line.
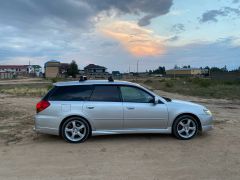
[118,33]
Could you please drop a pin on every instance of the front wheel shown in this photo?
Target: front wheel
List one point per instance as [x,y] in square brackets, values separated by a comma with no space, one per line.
[75,130]
[185,127]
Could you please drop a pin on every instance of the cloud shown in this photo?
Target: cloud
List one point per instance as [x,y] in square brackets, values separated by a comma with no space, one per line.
[26,13]
[172,39]
[30,28]
[212,15]
[178,28]
[235,1]
[150,8]
[137,40]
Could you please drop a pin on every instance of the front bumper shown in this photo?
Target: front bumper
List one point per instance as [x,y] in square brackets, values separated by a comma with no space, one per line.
[206,122]
[207,128]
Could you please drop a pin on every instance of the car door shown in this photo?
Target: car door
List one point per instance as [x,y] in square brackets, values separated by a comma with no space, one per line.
[105,108]
[140,111]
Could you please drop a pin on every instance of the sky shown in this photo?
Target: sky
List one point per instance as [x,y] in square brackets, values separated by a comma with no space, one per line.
[119,33]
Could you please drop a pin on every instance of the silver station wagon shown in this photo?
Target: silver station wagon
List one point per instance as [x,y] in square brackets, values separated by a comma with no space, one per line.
[80,109]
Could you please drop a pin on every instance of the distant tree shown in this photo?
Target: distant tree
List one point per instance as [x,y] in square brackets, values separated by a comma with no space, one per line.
[73,69]
[224,69]
[207,67]
[216,69]
[160,70]
[176,67]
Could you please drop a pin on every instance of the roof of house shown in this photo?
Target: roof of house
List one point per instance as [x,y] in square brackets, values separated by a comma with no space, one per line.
[12,66]
[51,61]
[94,66]
[184,69]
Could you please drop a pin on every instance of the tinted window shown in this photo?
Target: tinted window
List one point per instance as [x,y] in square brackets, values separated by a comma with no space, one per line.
[49,93]
[132,94]
[106,93]
[71,93]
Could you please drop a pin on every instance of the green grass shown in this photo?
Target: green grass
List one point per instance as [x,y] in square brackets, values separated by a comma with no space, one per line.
[33,90]
[198,87]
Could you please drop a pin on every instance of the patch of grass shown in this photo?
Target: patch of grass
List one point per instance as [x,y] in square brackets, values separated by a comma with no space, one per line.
[199,87]
[169,84]
[24,91]
[148,81]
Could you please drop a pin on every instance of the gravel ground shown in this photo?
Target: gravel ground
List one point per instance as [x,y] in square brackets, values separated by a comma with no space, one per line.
[26,155]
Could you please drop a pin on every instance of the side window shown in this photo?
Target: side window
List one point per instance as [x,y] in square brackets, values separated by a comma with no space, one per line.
[132,94]
[106,93]
[71,93]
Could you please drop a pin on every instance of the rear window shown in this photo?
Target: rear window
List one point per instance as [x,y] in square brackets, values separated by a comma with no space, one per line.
[106,93]
[71,93]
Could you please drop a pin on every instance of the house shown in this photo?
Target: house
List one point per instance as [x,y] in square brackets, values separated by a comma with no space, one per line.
[116,75]
[185,72]
[15,69]
[52,69]
[95,71]
[6,75]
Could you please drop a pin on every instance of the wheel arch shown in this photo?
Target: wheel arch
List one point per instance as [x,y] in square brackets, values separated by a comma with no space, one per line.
[71,116]
[189,114]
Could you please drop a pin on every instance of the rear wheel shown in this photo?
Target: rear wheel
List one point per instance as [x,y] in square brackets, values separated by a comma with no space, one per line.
[185,127]
[75,130]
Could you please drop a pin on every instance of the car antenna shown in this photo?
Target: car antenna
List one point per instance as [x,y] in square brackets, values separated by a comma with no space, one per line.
[83,78]
[110,79]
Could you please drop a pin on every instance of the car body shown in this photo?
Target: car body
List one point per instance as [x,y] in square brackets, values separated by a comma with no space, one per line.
[116,107]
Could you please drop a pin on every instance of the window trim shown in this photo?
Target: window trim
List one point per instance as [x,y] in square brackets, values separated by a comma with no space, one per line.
[54,89]
[136,88]
[114,85]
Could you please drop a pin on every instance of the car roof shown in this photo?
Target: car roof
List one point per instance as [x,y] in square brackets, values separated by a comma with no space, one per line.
[93,82]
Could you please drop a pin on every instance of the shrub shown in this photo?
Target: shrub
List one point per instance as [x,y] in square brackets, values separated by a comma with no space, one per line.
[148,81]
[169,84]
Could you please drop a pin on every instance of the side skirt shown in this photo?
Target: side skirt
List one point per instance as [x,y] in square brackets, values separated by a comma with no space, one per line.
[132,131]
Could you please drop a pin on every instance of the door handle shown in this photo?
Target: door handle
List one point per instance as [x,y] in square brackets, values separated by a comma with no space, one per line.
[90,107]
[130,108]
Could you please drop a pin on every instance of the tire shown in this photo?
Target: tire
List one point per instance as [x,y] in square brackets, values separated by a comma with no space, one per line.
[185,127]
[75,130]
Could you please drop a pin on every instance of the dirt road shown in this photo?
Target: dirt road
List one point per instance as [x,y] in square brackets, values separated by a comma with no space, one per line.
[25,155]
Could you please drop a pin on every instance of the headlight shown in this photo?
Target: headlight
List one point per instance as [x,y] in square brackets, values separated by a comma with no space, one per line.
[208,112]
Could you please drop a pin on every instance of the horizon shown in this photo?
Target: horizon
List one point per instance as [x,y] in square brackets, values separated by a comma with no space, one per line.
[119,34]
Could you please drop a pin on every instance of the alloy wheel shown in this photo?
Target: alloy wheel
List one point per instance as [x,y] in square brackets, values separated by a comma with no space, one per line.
[75,130]
[186,128]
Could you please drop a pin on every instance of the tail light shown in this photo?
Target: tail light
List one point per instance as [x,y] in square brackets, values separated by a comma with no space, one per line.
[42,105]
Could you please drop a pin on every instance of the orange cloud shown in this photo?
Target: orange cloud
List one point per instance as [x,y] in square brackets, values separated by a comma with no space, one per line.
[137,40]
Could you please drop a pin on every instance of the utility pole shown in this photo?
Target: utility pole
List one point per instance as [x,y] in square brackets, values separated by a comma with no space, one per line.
[137,66]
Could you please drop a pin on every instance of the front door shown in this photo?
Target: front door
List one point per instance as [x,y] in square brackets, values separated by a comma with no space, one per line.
[140,111]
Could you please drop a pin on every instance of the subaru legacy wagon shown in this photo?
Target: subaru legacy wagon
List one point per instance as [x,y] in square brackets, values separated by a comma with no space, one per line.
[79,109]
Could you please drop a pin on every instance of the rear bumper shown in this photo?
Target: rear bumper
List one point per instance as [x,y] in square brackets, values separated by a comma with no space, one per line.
[40,126]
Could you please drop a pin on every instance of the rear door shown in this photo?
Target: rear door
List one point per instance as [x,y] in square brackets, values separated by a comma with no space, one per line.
[140,111]
[105,108]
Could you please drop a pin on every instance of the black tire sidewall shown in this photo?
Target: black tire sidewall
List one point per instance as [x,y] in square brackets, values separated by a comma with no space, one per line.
[79,119]
[175,124]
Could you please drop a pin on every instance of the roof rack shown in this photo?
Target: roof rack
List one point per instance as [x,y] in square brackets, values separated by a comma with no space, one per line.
[110,79]
[83,78]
